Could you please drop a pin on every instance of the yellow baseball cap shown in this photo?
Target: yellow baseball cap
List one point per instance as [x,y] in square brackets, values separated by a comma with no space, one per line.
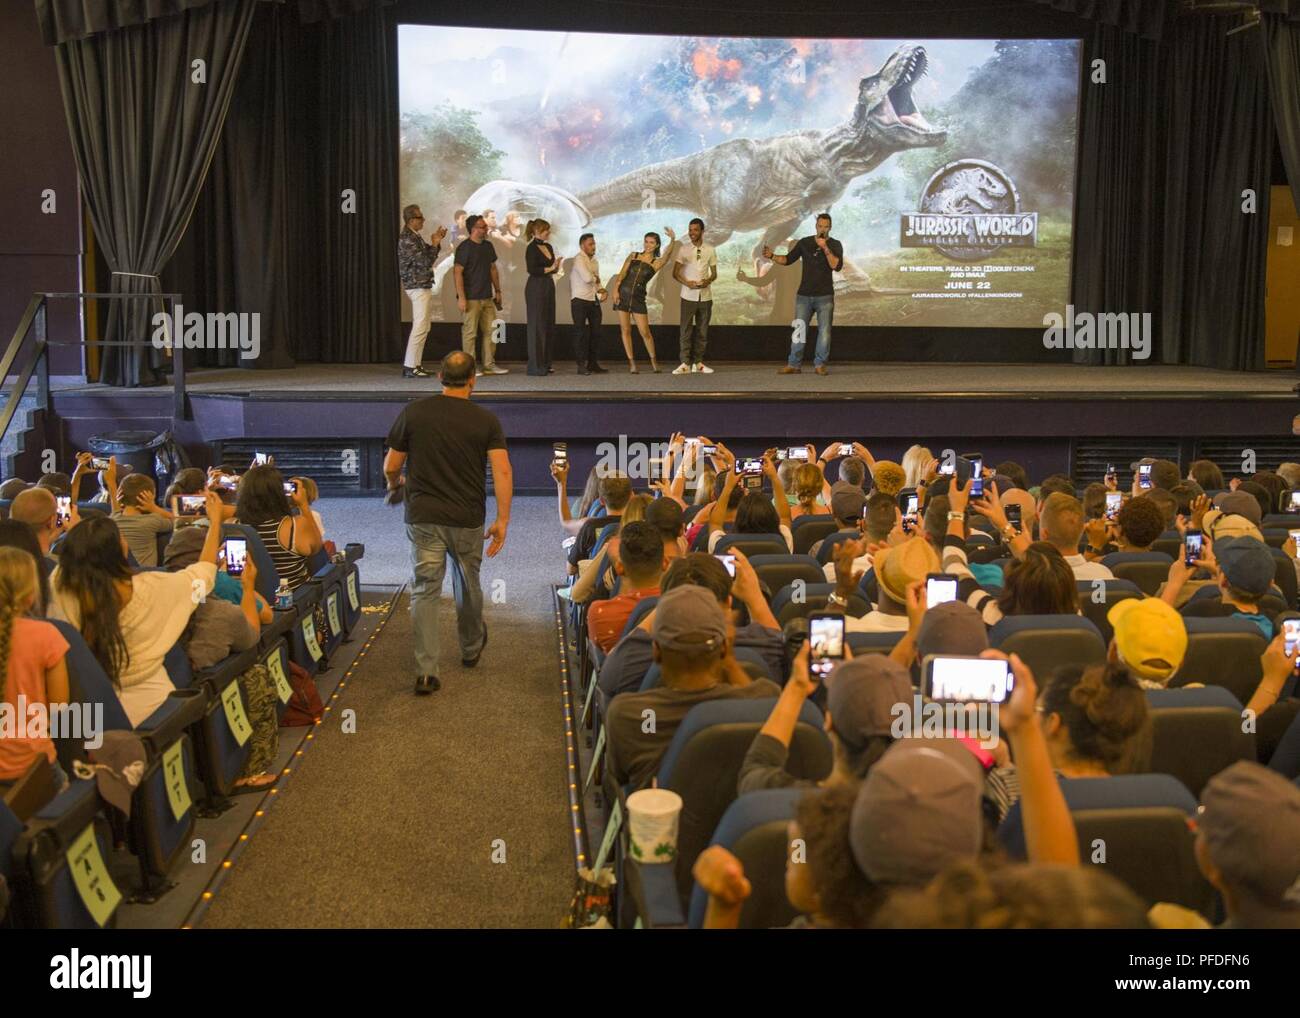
[1150,636]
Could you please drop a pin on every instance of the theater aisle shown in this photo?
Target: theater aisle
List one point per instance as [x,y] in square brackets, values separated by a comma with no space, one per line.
[398,824]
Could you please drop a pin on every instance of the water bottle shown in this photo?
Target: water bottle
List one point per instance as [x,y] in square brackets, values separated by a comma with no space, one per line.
[284,596]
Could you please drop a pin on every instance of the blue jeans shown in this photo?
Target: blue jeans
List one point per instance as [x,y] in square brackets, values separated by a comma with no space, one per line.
[804,309]
[432,547]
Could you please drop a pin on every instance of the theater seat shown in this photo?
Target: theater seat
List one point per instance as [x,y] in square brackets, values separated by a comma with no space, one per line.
[642,608]
[702,765]
[752,545]
[1147,569]
[808,530]
[1112,592]
[1223,652]
[1284,577]
[826,553]
[220,753]
[1136,827]
[744,655]
[1047,642]
[755,830]
[45,894]
[872,643]
[268,579]
[1196,733]
[1286,758]
[777,571]
[786,606]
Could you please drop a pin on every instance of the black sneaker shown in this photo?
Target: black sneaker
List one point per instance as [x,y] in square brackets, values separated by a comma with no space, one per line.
[416,373]
[470,662]
[596,369]
[426,684]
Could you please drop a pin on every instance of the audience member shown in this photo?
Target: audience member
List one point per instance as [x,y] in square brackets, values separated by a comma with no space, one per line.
[641,564]
[290,539]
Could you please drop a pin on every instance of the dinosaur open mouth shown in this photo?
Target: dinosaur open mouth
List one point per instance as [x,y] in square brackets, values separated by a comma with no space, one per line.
[897,106]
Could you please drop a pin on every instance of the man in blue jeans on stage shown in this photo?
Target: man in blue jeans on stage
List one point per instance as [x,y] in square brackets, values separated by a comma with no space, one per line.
[822,255]
[445,443]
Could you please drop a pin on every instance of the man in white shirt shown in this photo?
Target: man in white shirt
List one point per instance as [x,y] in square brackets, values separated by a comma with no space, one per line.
[695,267]
[1060,524]
[587,295]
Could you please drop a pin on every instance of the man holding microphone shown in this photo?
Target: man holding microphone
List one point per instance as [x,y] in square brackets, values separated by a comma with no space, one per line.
[822,255]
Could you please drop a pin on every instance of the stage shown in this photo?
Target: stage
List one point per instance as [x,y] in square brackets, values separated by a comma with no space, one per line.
[1048,417]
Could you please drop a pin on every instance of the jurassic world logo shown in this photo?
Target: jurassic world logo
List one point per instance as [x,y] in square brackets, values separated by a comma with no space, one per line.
[969,209]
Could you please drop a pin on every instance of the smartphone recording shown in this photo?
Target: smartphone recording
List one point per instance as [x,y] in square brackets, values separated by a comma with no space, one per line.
[236,549]
[826,643]
[939,587]
[967,679]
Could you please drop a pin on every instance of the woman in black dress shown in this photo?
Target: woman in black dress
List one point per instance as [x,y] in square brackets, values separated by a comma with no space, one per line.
[539,296]
[638,270]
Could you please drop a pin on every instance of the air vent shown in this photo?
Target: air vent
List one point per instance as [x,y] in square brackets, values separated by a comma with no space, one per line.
[1091,456]
[338,468]
[1230,454]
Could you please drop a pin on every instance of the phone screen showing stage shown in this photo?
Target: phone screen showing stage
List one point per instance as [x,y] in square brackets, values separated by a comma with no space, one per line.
[1192,546]
[1114,499]
[968,679]
[63,507]
[1144,475]
[826,642]
[192,505]
[729,562]
[977,478]
[846,449]
[1291,636]
[1294,504]
[236,555]
[797,452]
[1013,516]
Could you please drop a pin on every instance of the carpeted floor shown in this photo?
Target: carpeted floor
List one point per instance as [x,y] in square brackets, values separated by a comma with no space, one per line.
[397,825]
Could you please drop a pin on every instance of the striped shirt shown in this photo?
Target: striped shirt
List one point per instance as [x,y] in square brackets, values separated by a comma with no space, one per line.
[290,566]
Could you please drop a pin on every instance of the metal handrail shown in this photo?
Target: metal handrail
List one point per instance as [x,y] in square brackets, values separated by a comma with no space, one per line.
[34,319]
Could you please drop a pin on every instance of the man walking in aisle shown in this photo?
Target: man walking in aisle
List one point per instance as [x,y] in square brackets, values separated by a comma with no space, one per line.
[445,442]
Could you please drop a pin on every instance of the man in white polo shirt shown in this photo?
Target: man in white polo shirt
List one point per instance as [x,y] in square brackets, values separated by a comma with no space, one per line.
[695,267]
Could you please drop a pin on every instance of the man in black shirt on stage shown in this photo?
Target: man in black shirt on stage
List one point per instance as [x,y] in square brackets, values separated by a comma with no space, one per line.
[444,442]
[822,255]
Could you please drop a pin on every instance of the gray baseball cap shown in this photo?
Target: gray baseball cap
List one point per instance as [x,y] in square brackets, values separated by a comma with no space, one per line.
[953,627]
[1239,503]
[918,810]
[861,694]
[847,501]
[689,619]
[1250,823]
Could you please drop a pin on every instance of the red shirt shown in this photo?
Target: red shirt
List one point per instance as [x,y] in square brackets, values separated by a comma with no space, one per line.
[606,619]
[35,647]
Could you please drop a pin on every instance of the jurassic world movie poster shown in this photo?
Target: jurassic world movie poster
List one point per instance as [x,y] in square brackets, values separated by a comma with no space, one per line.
[947,165]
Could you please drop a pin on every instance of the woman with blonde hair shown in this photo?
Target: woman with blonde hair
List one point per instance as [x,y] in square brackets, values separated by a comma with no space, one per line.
[915,462]
[33,670]
[601,570]
[542,264]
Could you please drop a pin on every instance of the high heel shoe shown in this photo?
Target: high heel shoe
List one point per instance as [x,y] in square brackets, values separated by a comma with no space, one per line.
[631,368]
[654,365]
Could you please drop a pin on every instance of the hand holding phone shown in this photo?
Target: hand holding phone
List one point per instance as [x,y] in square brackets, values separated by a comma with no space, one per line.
[63,509]
[1114,501]
[1291,635]
[236,549]
[967,679]
[1193,542]
[939,587]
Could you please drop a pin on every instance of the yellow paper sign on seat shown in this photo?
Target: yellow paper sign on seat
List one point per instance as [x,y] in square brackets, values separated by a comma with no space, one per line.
[90,875]
[354,599]
[275,665]
[178,789]
[332,609]
[309,637]
[233,704]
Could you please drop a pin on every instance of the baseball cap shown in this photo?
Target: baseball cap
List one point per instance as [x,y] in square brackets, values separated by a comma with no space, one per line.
[918,810]
[1245,563]
[861,695]
[1240,503]
[185,546]
[1219,525]
[1147,631]
[1250,822]
[953,627]
[847,501]
[905,563]
[689,619]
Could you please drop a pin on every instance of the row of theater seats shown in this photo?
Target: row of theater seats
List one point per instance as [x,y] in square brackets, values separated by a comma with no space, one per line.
[1141,818]
[195,744]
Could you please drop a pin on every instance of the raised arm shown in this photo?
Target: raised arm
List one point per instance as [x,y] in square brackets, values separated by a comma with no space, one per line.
[778,489]
[718,517]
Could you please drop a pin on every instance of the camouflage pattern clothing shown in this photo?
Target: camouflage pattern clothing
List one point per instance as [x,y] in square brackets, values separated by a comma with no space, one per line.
[415,258]
[260,696]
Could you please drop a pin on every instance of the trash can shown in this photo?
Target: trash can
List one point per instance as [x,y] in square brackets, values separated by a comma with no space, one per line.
[139,448]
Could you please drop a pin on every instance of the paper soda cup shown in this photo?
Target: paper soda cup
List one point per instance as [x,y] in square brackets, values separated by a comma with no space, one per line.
[652,817]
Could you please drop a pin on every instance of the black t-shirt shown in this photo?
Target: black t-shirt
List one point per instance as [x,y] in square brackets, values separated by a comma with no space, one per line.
[817,280]
[446,440]
[476,260]
[587,535]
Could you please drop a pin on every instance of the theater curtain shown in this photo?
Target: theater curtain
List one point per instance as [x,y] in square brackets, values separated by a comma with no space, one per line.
[1281,37]
[1167,146]
[64,20]
[298,219]
[143,133]
[1147,18]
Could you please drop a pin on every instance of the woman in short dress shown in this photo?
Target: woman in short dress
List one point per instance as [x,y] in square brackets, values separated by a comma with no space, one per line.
[638,270]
